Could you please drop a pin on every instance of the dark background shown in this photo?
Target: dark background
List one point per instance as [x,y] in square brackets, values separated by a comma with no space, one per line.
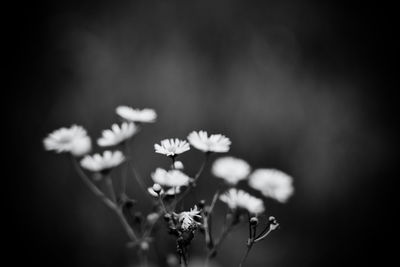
[303,86]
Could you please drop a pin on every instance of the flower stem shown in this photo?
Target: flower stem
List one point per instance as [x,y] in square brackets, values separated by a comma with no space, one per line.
[249,246]
[109,203]
[192,184]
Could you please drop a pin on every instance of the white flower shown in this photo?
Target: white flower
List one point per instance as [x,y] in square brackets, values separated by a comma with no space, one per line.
[213,143]
[169,192]
[74,140]
[117,134]
[171,178]
[105,162]
[136,115]
[171,147]
[231,169]
[235,199]
[187,218]
[272,183]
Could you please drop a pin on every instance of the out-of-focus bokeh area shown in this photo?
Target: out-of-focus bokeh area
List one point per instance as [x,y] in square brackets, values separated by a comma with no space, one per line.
[296,85]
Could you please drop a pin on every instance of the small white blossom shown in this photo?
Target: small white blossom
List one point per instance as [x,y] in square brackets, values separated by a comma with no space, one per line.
[104,162]
[187,218]
[171,178]
[231,169]
[169,192]
[136,115]
[117,134]
[73,140]
[213,143]
[235,199]
[171,147]
[272,183]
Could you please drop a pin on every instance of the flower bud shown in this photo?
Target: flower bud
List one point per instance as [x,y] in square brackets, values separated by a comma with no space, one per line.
[201,203]
[157,188]
[178,165]
[152,217]
[253,221]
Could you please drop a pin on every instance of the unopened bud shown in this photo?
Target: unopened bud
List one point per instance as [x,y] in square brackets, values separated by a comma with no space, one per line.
[157,188]
[144,245]
[253,221]
[152,217]
[178,165]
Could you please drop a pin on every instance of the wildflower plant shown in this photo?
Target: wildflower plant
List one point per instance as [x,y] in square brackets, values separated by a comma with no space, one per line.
[171,186]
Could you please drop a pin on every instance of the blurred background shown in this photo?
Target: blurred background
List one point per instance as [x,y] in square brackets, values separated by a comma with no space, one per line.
[301,86]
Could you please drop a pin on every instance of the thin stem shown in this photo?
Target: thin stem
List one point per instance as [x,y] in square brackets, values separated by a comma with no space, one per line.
[109,203]
[131,234]
[249,246]
[192,184]
[110,186]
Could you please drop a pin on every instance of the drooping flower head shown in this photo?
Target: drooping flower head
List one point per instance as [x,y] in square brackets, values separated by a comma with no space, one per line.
[172,147]
[239,199]
[73,140]
[136,115]
[171,178]
[104,162]
[117,134]
[213,143]
[188,219]
[231,169]
[272,183]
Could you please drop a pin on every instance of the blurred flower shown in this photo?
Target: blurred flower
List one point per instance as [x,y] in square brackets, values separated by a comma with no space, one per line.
[105,162]
[169,192]
[117,134]
[188,218]
[171,147]
[231,169]
[136,115]
[235,199]
[171,178]
[213,143]
[178,165]
[74,140]
[272,183]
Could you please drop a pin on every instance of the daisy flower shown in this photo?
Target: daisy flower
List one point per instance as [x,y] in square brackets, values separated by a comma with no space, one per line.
[188,218]
[213,143]
[101,163]
[171,147]
[171,178]
[136,115]
[272,183]
[169,192]
[239,199]
[117,134]
[73,140]
[231,169]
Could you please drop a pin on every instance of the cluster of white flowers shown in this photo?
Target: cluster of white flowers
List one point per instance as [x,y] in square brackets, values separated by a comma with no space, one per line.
[171,185]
